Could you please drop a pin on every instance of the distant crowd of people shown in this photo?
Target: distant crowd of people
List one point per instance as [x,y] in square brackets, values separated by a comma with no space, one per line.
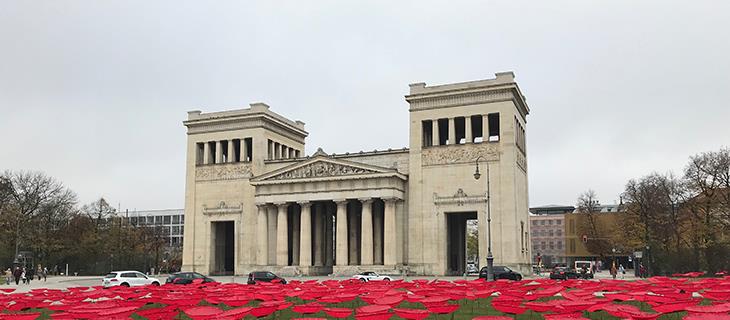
[26,275]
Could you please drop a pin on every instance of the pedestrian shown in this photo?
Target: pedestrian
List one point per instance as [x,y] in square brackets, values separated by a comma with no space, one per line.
[23,276]
[45,273]
[8,276]
[16,274]
[30,273]
[39,272]
[642,271]
[613,270]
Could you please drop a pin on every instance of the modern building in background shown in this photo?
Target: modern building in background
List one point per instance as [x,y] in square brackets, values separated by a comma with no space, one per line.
[172,221]
[254,201]
[547,232]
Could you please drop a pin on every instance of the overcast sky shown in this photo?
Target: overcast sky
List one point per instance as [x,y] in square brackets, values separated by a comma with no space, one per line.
[94,92]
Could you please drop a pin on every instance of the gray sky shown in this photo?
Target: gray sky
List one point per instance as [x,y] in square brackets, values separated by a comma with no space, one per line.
[94,92]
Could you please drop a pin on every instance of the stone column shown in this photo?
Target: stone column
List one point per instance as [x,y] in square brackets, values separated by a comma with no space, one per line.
[485,128]
[353,234]
[272,221]
[328,233]
[305,234]
[389,252]
[435,132]
[295,237]
[318,235]
[341,254]
[262,236]
[366,247]
[218,152]
[452,132]
[467,127]
[206,152]
[231,150]
[282,250]
[377,235]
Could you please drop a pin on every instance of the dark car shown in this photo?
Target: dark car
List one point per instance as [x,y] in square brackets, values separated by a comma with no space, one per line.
[501,272]
[264,276]
[187,278]
[563,273]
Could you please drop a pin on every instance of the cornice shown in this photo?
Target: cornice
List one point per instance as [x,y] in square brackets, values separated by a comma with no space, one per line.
[469,96]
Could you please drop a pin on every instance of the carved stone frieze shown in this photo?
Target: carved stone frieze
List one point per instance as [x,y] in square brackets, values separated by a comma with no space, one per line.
[462,153]
[222,208]
[227,171]
[459,198]
[320,169]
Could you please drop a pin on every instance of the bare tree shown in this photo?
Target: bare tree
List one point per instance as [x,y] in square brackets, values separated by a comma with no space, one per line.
[99,211]
[599,238]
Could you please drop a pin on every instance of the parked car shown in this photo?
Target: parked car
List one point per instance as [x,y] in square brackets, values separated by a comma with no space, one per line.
[585,269]
[563,273]
[369,276]
[128,279]
[501,272]
[264,276]
[471,269]
[187,278]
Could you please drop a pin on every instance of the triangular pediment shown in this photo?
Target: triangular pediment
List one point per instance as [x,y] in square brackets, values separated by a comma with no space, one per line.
[322,167]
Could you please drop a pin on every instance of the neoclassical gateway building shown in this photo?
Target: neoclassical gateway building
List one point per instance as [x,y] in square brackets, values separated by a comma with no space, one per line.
[255,201]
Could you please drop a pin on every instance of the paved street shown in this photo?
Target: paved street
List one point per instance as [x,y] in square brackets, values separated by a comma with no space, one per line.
[62,282]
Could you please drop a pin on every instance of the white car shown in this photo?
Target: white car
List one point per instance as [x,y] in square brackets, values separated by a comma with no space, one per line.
[128,279]
[368,276]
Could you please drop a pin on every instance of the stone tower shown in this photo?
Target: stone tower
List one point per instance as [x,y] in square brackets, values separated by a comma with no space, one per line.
[454,128]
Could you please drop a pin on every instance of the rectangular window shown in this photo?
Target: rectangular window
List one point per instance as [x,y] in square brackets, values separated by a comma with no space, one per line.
[572,245]
[175,231]
[550,222]
[427,130]
[166,220]
[558,222]
[443,126]
[182,218]
[560,245]
[211,152]
[542,222]
[571,226]
[176,219]
[199,150]
[552,245]
[534,222]
[476,128]
[493,119]
[224,151]
[460,130]
[542,244]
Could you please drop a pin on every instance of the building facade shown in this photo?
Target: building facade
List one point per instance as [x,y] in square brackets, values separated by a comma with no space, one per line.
[172,221]
[254,201]
[547,233]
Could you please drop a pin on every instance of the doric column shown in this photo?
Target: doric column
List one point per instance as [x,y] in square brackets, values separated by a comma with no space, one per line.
[218,152]
[467,128]
[377,235]
[282,250]
[231,150]
[272,221]
[341,253]
[305,234]
[485,128]
[318,235]
[435,132]
[328,230]
[389,252]
[452,132]
[244,150]
[295,238]
[262,236]
[206,153]
[366,247]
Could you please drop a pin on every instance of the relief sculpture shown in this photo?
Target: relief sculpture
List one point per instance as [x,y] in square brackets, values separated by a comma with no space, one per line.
[223,172]
[458,153]
[320,169]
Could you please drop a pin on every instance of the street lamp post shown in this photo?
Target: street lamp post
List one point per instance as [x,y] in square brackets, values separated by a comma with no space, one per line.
[490,258]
